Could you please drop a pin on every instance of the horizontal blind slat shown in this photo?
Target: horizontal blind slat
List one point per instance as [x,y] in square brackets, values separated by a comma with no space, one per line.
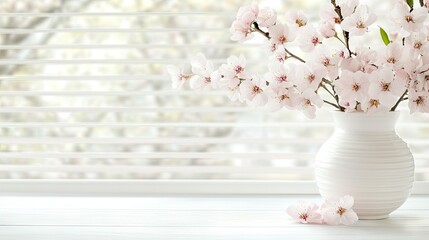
[164,169]
[112,30]
[180,140]
[109,14]
[87,77]
[155,169]
[128,46]
[132,109]
[128,109]
[172,155]
[96,61]
[313,124]
[156,155]
[111,93]
[172,124]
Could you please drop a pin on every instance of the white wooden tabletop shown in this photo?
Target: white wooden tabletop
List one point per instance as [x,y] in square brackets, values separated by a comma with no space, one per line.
[190,217]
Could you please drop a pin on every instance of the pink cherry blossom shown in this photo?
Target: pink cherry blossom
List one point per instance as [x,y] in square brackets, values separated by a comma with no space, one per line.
[327,29]
[373,105]
[280,96]
[270,48]
[335,212]
[233,87]
[423,79]
[205,76]
[308,101]
[296,19]
[352,86]
[366,58]
[309,39]
[348,7]
[407,21]
[409,68]
[327,14]
[279,55]
[241,27]
[240,31]
[205,82]
[418,42]
[230,81]
[357,23]
[304,212]
[200,65]
[235,67]
[418,101]
[281,34]
[348,103]
[267,17]
[276,52]
[391,55]
[248,13]
[309,76]
[350,64]
[328,59]
[178,76]
[279,74]
[384,87]
[233,73]
[254,91]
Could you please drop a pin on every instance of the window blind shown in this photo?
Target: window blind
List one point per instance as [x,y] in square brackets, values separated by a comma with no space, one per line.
[85,98]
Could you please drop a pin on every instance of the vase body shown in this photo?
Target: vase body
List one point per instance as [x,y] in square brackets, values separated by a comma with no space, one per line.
[365,158]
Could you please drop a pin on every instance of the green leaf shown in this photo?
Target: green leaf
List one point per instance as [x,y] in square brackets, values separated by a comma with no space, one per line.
[410,3]
[384,36]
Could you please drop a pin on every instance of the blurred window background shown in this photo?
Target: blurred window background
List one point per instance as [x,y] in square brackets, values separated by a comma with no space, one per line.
[85,95]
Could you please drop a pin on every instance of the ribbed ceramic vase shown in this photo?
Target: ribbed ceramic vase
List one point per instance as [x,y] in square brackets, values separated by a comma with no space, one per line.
[366,159]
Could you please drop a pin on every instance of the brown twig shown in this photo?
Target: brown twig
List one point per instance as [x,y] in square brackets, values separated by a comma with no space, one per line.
[330,93]
[337,99]
[402,98]
[294,56]
[336,36]
[267,35]
[259,30]
[345,33]
[332,104]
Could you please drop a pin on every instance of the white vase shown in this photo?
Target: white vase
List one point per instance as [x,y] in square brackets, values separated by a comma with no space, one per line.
[366,159]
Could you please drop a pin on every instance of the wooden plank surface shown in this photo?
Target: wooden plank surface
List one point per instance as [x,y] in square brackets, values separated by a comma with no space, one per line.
[190,217]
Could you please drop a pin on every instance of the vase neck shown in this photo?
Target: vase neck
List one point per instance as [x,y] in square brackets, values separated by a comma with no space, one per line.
[363,122]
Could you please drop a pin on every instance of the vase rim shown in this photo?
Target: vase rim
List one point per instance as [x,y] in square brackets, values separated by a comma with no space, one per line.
[361,121]
[392,113]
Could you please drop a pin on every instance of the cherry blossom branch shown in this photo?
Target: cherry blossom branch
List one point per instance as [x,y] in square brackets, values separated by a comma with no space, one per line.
[421,3]
[259,30]
[267,35]
[341,40]
[334,96]
[337,99]
[330,93]
[424,71]
[402,98]
[332,104]
[294,56]
[345,33]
